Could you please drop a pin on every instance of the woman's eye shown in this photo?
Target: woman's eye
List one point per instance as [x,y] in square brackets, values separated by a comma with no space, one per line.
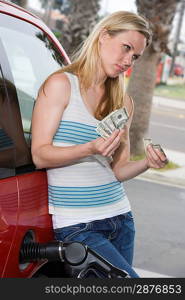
[126,47]
[135,57]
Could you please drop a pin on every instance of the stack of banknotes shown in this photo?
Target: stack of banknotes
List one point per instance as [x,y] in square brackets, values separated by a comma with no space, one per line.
[147,141]
[115,120]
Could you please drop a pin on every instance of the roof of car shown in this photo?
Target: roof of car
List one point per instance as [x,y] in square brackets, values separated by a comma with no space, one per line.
[14,10]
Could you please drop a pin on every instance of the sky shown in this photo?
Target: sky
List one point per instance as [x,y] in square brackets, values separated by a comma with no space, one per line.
[109,6]
[106,5]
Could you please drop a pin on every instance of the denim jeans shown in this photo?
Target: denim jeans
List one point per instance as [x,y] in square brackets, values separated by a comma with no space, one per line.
[112,238]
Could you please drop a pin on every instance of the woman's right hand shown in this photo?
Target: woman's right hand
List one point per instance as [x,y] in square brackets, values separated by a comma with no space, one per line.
[107,147]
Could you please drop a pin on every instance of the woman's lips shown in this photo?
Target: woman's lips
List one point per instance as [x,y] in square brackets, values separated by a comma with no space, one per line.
[120,68]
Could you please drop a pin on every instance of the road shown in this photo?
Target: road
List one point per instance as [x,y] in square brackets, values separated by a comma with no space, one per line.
[160,235]
[159,209]
[167,127]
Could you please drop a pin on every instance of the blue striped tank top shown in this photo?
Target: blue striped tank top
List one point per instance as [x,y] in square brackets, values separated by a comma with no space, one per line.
[86,190]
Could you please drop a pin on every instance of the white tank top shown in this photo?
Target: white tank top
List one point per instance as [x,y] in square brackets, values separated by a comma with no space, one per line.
[86,190]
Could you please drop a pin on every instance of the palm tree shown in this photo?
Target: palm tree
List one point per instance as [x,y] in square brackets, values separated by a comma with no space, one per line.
[143,78]
[22,3]
[82,17]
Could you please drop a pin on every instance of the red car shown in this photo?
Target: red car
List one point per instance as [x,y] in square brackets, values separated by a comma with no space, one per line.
[29,52]
[178,70]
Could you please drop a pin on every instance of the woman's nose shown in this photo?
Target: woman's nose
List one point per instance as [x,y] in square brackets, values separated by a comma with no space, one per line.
[127,60]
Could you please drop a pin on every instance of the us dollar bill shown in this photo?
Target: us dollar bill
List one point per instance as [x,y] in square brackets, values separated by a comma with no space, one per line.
[146,142]
[158,146]
[102,130]
[120,117]
[107,122]
[115,120]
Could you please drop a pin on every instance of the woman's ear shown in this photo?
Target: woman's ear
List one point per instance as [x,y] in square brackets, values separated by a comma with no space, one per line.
[104,35]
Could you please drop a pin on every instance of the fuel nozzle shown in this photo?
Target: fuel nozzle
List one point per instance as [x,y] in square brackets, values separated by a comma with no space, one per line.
[79,260]
[73,253]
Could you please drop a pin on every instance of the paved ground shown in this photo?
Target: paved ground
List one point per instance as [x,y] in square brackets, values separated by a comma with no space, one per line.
[148,274]
[174,177]
[171,177]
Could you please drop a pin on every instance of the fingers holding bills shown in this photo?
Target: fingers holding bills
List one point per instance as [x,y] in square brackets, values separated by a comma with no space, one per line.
[107,122]
[161,153]
[103,131]
[112,143]
[158,158]
[148,141]
[115,120]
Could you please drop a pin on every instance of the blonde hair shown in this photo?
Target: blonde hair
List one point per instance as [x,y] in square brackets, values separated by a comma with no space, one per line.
[86,59]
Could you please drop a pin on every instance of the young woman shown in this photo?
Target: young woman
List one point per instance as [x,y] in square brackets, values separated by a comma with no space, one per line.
[87,199]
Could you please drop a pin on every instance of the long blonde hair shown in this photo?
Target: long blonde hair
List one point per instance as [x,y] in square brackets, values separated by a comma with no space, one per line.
[86,59]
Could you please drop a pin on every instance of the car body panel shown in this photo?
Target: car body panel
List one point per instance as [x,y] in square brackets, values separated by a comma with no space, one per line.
[8,221]
[178,70]
[30,214]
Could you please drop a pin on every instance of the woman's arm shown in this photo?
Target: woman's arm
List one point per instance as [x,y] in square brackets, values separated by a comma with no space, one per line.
[50,105]
[125,169]
[47,114]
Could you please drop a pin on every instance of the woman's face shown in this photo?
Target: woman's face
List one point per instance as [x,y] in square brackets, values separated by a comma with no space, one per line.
[119,52]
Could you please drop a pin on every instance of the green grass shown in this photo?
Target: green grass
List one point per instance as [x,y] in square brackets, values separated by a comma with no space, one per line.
[169,166]
[174,91]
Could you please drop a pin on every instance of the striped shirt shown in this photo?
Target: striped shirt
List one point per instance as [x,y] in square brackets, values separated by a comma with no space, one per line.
[87,189]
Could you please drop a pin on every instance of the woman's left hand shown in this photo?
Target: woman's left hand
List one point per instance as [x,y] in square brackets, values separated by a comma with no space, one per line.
[155,158]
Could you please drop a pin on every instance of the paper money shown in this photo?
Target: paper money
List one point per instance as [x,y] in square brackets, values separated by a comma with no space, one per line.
[158,146]
[119,118]
[115,120]
[146,142]
[107,122]
[100,129]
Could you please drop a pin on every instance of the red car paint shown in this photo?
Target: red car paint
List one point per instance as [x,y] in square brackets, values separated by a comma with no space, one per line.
[23,196]
[178,70]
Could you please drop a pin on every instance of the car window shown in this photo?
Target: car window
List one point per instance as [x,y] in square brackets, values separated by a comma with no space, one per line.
[31,57]
[7,149]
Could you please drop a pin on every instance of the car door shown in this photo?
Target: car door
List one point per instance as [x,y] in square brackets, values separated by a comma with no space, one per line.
[29,56]
[8,182]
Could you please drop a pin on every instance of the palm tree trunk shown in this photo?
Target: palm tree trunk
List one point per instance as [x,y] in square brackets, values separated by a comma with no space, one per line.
[143,79]
[83,15]
[141,85]
[22,3]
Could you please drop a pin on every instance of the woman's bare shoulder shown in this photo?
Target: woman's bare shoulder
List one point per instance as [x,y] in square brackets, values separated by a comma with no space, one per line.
[56,87]
[57,82]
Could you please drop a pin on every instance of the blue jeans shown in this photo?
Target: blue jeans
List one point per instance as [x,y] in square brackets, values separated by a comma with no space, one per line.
[112,238]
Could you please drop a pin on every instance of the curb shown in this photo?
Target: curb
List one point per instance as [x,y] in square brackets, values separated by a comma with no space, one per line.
[162,179]
[150,274]
[173,103]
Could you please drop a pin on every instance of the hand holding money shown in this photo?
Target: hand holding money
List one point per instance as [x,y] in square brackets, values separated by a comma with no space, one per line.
[106,147]
[148,141]
[115,120]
